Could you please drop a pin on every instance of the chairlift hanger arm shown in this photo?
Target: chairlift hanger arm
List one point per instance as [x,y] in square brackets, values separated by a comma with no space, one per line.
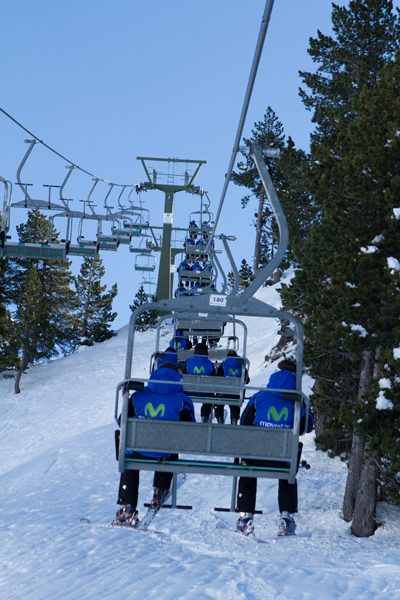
[224,239]
[5,222]
[32,144]
[256,60]
[64,183]
[214,260]
[272,196]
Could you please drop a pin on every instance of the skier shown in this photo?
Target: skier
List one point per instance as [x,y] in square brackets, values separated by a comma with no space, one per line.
[176,406]
[169,355]
[268,409]
[231,367]
[180,342]
[199,364]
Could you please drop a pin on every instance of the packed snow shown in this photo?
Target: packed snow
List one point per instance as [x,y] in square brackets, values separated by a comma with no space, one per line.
[58,465]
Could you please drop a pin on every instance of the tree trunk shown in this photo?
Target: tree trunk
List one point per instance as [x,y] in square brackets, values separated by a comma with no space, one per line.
[364,521]
[357,448]
[257,247]
[353,477]
[22,367]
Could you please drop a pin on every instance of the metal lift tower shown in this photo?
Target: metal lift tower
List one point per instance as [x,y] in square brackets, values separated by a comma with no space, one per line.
[167,260]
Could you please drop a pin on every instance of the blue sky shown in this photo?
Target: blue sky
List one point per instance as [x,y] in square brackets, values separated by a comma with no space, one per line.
[103,82]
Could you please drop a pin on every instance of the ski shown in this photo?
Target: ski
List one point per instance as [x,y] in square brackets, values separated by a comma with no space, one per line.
[151,513]
[85,521]
[238,534]
[145,522]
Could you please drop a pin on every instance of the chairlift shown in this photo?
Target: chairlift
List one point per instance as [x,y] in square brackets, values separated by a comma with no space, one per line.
[150,287]
[122,232]
[145,245]
[212,448]
[107,241]
[85,246]
[145,262]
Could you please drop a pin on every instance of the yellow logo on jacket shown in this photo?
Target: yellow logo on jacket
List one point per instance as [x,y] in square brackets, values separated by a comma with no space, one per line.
[150,411]
[198,370]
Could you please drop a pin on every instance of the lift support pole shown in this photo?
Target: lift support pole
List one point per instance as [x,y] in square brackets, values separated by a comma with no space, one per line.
[167,259]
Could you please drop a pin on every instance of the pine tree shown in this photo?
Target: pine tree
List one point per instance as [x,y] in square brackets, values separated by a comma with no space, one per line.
[245,274]
[94,313]
[8,349]
[148,319]
[345,289]
[367,36]
[41,289]
[288,176]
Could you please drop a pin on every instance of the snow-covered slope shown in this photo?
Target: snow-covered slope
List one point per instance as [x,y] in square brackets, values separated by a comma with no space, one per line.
[58,465]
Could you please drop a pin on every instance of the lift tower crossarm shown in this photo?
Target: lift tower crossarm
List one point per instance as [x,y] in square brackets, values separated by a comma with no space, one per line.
[167,258]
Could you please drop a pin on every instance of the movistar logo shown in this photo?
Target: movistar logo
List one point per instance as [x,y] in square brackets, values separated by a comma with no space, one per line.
[234,372]
[199,370]
[150,411]
[278,416]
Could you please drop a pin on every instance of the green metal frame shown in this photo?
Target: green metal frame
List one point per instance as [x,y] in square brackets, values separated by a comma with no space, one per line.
[165,277]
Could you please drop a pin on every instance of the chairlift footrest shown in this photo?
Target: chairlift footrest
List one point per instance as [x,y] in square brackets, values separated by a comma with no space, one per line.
[181,506]
[220,509]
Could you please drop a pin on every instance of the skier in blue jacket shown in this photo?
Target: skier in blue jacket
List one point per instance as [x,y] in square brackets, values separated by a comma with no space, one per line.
[200,364]
[269,409]
[165,401]
[231,367]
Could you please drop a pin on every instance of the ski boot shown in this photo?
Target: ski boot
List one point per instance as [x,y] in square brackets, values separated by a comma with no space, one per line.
[287,525]
[159,497]
[128,515]
[245,523]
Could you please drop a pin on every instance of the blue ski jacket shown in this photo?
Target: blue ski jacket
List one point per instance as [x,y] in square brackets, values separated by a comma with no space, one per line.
[199,365]
[269,409]
[167,356]
[165,401]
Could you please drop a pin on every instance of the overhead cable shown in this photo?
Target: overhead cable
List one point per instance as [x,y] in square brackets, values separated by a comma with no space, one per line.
[57,153]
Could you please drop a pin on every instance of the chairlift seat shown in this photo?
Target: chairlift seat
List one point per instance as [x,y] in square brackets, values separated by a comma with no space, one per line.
[31,250]
[145,268]
[195,253]
[200,229]
[109,245]
[214,354]
[83,250]
[208,384]
[140,250]
[208,443]
[108,238]
[204,327]
[195,275]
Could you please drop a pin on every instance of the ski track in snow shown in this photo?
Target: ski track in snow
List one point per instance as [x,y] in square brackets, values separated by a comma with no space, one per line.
[58,465]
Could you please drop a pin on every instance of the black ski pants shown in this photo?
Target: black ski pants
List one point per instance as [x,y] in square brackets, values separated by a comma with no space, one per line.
[247,491]
[129,482]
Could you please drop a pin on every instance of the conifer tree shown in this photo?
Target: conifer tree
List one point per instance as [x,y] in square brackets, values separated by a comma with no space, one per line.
[148,319]
[41,289]
[8,348]
[345,289]
[94,311]
[288,176]
[245,274]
